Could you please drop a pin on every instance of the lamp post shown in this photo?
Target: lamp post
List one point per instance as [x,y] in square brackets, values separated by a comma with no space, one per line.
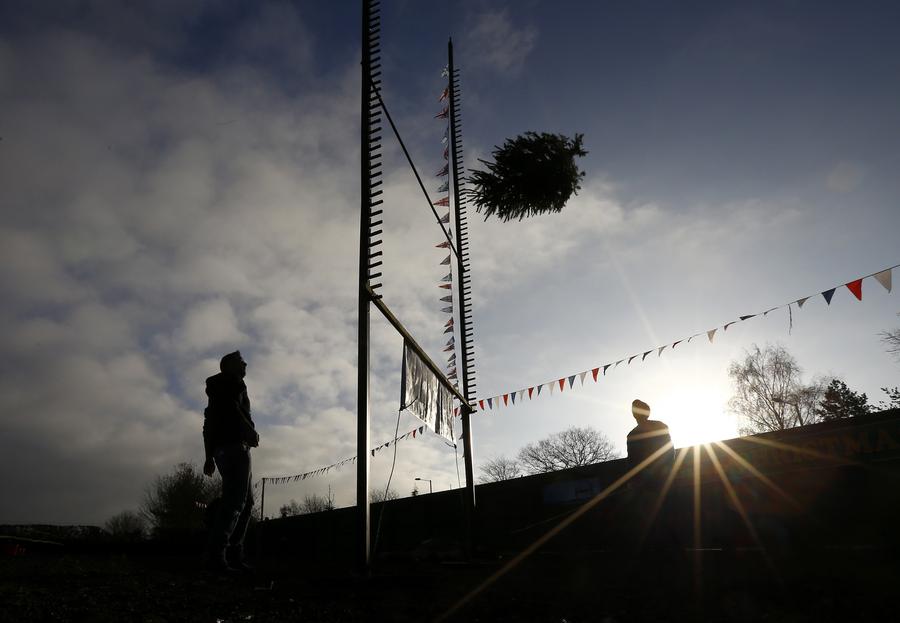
[428,480]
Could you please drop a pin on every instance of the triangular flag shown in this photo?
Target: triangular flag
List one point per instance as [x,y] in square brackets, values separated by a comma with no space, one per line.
[769,310]
[448,330]
[618,362]
[530,391]
[447,310]
[446,218]
[444,245]
[506,399]
[513,397]
[447,153]
[729,324]
[605,367]
[448,348]
[521,394]
[571,381]
[800,302]
[562,384]
[630,358]
[540,387]
[711,334]
[856,288]
[676,343]
[445,187]
[828,294]
[646,353]
[444,171]
[481,404]
[443,201]
[447,277]
[747,317]
[581,378]
[594,373]
[661,349]
[445,261]
[490,403]
[444,94]
[552,385]
[446,286]
[443,114]
[884,278]
[414,433]
[449,322]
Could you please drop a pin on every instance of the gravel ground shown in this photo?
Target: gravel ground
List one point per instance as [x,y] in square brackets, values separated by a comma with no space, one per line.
[554,587]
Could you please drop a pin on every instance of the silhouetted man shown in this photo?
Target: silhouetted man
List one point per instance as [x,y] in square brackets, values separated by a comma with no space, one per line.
[228,435]
[647,438]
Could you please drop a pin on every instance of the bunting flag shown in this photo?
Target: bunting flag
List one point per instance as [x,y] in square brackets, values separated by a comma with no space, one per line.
[443,114]
[446,286]
[447,277]
[883,277]
[445,187]
[444,201]
[445,170]
[279,480]
[443,245]
[445,219]
[447,310]
[449,298]
[445,262]
[444,94]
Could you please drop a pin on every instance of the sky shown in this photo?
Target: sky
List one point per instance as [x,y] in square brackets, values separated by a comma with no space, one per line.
[181,179]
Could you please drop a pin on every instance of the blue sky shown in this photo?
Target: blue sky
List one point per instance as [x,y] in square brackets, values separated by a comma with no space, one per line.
[182,180]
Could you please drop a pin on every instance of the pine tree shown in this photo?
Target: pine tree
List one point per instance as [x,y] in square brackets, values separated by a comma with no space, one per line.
[839,402]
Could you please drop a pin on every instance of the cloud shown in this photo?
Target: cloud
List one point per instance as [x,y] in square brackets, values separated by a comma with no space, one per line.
[501,45]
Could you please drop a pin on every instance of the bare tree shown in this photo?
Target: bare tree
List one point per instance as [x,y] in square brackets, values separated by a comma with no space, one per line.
[175,502]
[378,495]
[570,448]
[317,503]
[290,509]
[891,341]
[126,525]
[500,468]
[769,391]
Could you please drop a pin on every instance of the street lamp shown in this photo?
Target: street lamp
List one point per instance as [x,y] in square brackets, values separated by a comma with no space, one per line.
[428,480]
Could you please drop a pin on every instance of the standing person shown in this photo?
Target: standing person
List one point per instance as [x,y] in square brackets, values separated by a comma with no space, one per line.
[228,435]
[645,439]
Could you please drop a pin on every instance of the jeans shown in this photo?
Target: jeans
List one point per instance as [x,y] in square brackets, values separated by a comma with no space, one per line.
[226,538]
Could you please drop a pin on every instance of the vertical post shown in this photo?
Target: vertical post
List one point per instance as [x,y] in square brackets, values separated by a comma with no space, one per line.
[262,502]
[462,294]
[362,384]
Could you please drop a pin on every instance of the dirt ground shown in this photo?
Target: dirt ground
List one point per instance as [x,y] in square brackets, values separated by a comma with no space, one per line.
[556,587]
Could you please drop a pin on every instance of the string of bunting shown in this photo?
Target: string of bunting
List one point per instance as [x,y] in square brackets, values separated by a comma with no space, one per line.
[446,284]
[883,277]
[278,480]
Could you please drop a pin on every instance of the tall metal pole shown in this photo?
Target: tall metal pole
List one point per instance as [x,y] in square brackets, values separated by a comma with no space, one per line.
[369,40]
[463,292]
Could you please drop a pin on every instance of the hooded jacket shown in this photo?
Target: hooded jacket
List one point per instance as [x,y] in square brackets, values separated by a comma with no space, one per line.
[227,418]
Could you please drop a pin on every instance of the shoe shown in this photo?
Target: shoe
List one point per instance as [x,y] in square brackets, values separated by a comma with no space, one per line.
[240,566]
[218,566]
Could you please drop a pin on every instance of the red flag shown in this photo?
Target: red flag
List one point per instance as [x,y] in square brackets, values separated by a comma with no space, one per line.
[530,391]
[594,372]
[446,286]
[445,94]
[481,404]
[443,245]
[443,202]
[505,399]
[443,114]
[856,288]
[562,384]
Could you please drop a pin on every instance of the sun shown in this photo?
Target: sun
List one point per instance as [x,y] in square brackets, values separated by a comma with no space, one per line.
[695,412]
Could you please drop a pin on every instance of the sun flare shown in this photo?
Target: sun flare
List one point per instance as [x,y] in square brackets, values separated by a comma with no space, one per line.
[695,413]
